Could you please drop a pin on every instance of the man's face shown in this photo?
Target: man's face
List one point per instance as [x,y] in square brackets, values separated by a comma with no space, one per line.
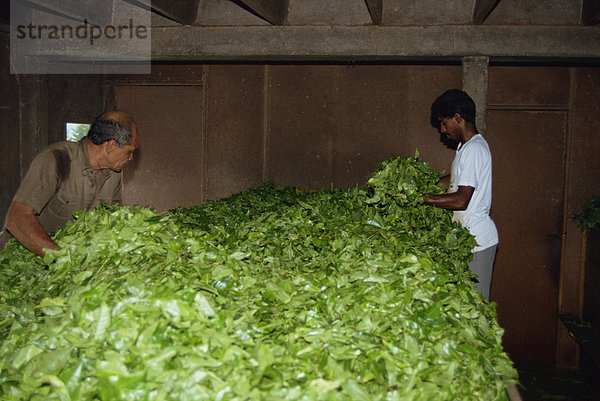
[450,128]
[120,156]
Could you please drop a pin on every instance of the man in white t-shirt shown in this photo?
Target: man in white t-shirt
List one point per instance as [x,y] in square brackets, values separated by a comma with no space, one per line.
[470,182]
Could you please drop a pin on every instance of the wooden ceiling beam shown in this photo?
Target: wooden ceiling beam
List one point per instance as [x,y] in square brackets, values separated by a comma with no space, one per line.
[376,10]
[482,10]
[95,12]
[274,11]
[183,11]
[310,43]
[590,12]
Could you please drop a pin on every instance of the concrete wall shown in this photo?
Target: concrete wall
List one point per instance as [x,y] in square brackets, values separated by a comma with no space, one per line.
[23,116]
[9,134]
[33,112]
[310,126]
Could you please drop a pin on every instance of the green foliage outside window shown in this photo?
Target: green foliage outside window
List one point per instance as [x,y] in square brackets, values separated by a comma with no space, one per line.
[76,131]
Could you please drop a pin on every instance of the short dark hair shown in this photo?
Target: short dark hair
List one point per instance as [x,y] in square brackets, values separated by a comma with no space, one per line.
[104,130]
[451,102]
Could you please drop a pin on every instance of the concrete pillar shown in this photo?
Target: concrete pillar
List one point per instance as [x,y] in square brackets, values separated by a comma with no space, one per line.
[475,83]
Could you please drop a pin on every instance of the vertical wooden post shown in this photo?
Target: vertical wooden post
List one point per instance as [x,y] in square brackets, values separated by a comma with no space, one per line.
[33,118]
[266,121]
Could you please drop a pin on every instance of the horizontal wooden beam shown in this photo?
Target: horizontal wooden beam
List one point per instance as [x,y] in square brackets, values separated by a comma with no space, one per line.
[376,10]
[452,42]
[274,11]
[482,9]
[95,12]
[363,43]
[590,12]
[182,11]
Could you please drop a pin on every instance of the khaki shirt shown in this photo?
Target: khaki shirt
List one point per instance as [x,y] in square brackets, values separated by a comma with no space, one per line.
[60,181]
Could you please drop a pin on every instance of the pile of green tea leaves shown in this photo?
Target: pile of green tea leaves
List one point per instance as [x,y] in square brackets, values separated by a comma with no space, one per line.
[270,294]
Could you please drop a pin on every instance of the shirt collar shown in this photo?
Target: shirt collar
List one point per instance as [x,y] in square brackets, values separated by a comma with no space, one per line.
[84,155]
[461,145]
[84,159]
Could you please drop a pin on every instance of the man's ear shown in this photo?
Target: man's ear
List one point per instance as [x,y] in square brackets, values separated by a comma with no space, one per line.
[457,117]
[110,145]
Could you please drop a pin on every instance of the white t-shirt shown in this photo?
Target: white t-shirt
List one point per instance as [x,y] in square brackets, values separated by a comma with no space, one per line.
[472,166]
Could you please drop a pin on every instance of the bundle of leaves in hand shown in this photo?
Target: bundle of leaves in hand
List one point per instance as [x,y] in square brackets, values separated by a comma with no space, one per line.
[589,217]
[270,294]
[397,187]
[404,180]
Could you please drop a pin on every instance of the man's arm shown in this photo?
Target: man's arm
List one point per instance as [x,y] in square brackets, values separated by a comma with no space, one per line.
[25,227]
[458,200]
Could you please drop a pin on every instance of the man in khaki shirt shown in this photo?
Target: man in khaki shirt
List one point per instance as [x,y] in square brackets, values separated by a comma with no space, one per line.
[70,176]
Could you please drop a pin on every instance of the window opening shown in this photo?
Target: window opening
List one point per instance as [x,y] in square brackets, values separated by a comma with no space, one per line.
[76,131]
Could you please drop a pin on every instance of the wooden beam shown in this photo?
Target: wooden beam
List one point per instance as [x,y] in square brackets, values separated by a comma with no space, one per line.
[274,11]
[590,12]
[482,9]
[450,43]
[376,10]
[183,11]
[95,12]
[376,43]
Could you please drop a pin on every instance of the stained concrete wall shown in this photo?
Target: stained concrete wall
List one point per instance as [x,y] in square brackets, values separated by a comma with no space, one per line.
[329,126]
[33,112]
[23,116]
[309,126]
[9,137]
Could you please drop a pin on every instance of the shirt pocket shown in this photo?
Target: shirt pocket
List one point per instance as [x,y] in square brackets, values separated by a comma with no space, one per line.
[58,211]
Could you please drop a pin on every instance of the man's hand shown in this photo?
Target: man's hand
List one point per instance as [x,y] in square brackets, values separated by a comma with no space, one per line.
[445,180]
[458,200]
[22,223]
